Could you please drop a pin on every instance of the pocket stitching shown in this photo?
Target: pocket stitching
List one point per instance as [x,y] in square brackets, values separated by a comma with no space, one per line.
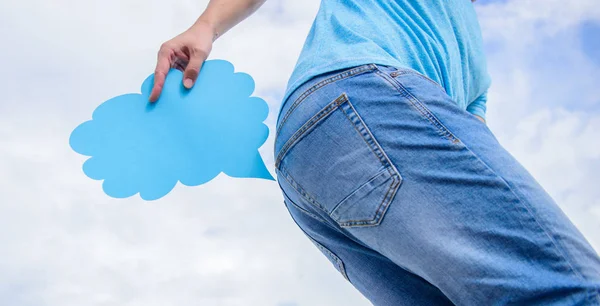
[366,135]
[421,108]
[300,190]
[359,132]
[343,103]
[416,73]
[340,76]
[381,209]
[287,199]
[374,177]
[329,108]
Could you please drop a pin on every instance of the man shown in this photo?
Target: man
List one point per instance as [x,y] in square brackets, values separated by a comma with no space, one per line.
[385,161]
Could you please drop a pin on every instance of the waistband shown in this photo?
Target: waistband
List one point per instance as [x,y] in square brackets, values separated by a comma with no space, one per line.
[315,83]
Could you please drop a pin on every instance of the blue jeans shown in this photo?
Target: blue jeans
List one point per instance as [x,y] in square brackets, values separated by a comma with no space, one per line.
[415,202]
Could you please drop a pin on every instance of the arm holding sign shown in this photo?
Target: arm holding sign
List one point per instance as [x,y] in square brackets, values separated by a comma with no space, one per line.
[188,50]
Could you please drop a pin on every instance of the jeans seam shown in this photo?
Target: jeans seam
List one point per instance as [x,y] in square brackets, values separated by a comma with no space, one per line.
[308,197]
[337,259]
[337,77]
[372,143]
[381,209]
[526,206]
[364,132]
[411,72]
[359,132]
[373,146]
[456,140]
[313,216]
[421,108]
[329,108]
[288,199]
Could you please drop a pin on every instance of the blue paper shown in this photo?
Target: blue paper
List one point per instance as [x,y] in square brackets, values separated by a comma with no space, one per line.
[188,136]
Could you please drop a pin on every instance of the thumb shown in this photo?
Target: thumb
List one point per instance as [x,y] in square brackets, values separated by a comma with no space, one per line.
[197,57]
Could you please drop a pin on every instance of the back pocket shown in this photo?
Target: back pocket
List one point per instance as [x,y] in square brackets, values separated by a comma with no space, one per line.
[336,164]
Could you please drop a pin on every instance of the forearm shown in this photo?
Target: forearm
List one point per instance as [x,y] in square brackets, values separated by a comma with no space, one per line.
[222,15]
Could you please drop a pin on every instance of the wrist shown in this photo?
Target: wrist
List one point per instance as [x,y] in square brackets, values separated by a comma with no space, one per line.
[204,24]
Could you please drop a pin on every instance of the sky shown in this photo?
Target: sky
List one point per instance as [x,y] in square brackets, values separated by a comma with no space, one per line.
[231,241]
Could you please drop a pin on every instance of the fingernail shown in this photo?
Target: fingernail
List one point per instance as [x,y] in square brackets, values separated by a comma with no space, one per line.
[187,83]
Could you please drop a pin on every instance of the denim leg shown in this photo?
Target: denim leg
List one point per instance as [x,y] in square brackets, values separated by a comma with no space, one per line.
[380,280]
[475,210]
[388,160]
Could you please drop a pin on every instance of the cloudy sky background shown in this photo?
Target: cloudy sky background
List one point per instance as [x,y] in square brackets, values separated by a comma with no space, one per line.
[231,241]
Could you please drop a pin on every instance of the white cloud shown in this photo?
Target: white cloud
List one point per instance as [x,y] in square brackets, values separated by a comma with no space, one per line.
[560,148]
[545,102]
[230,242]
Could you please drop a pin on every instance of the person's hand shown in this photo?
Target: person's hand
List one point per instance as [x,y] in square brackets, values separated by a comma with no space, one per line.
[480,119]
[187,52]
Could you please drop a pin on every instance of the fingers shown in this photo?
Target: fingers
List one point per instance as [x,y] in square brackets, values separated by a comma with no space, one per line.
[187,59]
[179,64]
[181,60]
[197,57]
[160,73]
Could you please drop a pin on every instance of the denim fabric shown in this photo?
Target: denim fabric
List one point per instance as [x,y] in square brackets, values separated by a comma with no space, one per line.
[415,202]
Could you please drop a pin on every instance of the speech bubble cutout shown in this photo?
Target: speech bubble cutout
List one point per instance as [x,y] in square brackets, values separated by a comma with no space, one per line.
[188,136]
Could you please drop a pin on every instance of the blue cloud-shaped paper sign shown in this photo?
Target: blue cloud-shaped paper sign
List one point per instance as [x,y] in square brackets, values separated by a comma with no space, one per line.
[188,136]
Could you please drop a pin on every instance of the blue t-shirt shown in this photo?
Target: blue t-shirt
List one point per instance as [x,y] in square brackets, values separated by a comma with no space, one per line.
[438,38]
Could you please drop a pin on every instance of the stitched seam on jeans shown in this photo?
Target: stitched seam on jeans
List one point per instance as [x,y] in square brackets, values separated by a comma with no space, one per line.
[432,118]
[300,190]
[396,177]
[339,262]
[329,108]
[372,143]
[364,132]
[304,211]
[393,187]
[385,203]
[340,76]
[421,108]
[287,199]
[361,134]
[378,212]
[416,73]
[372,178]
[556,244]
[317,218]
[526,206]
